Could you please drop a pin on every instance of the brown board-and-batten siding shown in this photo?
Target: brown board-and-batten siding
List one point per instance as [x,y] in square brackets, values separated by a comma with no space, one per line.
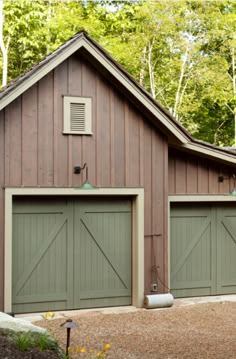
[124,150]
[189,174]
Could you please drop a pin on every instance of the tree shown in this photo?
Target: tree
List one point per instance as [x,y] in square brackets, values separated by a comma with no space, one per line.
[182,52]
[3,47]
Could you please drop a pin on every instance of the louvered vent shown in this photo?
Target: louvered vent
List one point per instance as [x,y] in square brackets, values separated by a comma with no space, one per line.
[77,117]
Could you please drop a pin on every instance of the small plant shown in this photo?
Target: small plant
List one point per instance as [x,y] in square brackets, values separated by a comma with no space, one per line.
[103,352]
[83,352]
[23,341]
[27,340]
[49,315]
[45,342]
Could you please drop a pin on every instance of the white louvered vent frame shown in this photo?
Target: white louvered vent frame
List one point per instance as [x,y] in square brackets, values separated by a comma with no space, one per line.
[77,115]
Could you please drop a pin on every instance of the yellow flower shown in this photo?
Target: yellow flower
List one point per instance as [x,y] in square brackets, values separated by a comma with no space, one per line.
[83,350]
[49,315]
[107,347]
[99,355]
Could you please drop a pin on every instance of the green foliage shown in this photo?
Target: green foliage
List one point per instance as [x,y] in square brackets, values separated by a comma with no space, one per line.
[45,342]
[25,341]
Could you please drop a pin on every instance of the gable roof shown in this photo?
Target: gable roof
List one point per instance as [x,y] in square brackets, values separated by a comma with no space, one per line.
[81,42]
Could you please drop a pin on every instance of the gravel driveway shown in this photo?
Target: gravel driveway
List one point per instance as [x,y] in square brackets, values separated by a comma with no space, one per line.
[195,331]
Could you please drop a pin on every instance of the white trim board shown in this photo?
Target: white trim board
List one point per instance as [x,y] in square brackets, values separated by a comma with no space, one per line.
[137,195]
[202,198]
[213,152]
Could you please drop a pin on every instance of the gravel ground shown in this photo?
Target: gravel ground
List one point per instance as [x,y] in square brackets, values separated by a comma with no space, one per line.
[206,331]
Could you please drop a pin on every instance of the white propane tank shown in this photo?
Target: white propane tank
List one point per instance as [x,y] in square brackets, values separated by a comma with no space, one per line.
[158,300]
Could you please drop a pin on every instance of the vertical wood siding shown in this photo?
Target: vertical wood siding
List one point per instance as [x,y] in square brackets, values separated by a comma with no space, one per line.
[124,150]
[190,174]
[2,202]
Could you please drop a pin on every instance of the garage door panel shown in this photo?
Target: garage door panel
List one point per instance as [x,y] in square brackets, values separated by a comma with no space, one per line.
[104,302]
[111,232]
[39,306]
[188,284]
[71,254]
[203,253]
[104,249]
[42,267]
[191,244]
[190,251]
[226,254]
[193,292]
[40,255]
[22,299]
[95,267]
[101,265]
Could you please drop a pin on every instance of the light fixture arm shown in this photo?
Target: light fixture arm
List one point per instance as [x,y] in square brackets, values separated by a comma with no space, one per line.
[222,178]
[86,172]
[78,169]
[86,184]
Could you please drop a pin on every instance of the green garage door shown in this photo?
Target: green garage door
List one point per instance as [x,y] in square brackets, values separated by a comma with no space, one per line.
[203,249]
[71,254]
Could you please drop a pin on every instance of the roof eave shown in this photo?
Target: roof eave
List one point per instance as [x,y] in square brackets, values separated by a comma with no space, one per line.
[60,55]
[212,152]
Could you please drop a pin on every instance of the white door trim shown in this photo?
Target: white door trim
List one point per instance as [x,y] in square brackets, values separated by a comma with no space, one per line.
[137,195]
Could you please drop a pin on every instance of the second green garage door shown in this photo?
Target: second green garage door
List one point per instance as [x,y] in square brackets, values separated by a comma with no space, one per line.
[202,249]
[71,254]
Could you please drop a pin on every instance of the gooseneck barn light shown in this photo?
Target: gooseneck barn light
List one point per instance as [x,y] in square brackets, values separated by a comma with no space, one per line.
[222,178]
[86,184]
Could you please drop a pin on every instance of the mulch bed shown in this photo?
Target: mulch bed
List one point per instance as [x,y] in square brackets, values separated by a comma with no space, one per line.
[9,351]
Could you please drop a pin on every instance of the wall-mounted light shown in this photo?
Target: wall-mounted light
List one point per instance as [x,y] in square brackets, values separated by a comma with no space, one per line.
[78,169]
[222,178]
[86,184]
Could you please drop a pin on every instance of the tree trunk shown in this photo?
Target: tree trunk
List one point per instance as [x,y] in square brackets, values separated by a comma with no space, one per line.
[143,64]
[4,49]
[151,72]
[181,77]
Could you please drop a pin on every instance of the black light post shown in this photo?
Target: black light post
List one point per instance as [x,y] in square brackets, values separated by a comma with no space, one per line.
[69,324]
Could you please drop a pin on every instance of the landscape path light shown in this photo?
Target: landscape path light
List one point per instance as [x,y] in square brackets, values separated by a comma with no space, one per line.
[69,324]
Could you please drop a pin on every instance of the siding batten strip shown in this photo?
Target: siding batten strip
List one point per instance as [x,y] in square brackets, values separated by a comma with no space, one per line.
[112,135]
[70,166]
[55,155]
[126,135]
[98,114]
[141,152]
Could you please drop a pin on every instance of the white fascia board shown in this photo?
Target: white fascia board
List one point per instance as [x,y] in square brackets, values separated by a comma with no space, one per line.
[214,153]
[40,73]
